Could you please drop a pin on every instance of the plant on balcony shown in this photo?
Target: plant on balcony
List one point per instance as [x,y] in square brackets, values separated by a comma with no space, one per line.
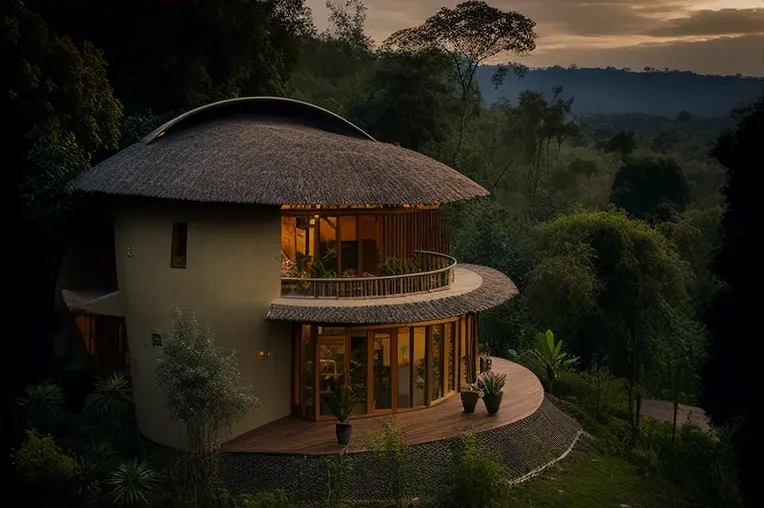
[492,385]
[391,266]
[319,271]
[341,401]
[470,392]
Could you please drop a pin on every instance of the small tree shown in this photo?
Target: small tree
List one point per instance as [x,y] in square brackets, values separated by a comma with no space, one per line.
[203,390]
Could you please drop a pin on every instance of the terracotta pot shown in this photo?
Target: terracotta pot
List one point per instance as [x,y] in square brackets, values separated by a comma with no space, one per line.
[343,433]
[492,402]
[469,401]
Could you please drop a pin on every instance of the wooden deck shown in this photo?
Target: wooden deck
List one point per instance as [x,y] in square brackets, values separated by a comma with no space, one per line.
[523,395]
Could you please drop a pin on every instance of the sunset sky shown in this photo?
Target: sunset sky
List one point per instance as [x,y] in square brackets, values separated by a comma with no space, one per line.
[704,36]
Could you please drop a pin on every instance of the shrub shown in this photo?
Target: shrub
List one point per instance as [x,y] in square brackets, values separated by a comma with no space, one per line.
[268,499]
[43,407]
[478,479]
[40,461]
[398,458]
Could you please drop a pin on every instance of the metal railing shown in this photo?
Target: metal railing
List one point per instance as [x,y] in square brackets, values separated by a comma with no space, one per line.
[435,273]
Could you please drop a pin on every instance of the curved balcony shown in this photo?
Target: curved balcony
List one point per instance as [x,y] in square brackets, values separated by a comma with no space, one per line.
[435,272]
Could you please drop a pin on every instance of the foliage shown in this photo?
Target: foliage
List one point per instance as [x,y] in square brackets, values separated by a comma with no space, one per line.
[700,464]
[268,499]
[43,407]
[319,271]
[203,391]
[132,483]
[613,286]
[478,479]
[409,100]
[622,143]
[391,449]
[341,402]
[40,461]
[731,376]
[63,110]
[552,357]
[491,383]
[595,391]
[641,185]
[469,34]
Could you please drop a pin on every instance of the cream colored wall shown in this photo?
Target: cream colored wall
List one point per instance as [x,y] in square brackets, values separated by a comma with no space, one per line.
[232,273]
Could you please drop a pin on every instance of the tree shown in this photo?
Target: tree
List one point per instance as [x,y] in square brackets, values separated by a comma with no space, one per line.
[61,113]
[613,286]
[731,378]
[203,391]
[409,101]
[190,54]
[346,26]
[642,185]
[622,143]
[469,34]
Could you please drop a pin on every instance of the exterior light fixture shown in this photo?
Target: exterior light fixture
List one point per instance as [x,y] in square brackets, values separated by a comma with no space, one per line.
[263,354]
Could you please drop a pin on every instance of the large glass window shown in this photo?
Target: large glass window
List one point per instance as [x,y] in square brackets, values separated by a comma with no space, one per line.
[331,367]
[404,368]
[348,246]
[389,368]
[450,350]
[383,375]
[436,357]
[307,395]
[327,244]
[420,366]
[359,369]
[370,244]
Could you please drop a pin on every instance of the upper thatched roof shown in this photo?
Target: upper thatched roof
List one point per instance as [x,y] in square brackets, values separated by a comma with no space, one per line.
[274,151]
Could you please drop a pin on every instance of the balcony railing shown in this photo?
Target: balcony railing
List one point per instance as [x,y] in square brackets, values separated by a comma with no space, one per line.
[436,272]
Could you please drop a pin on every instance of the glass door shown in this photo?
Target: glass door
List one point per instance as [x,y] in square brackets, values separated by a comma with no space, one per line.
[331,367]
[382,371]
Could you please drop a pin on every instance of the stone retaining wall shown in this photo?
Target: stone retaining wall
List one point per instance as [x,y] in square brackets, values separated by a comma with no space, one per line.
[522,447]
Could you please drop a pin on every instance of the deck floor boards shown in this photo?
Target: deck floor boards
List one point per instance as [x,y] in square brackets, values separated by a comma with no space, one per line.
[523,395]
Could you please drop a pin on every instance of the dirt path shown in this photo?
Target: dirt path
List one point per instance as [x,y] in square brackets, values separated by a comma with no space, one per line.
[664,410]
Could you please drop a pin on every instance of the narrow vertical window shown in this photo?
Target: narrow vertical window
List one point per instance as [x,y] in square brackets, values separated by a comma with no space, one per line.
[179,244]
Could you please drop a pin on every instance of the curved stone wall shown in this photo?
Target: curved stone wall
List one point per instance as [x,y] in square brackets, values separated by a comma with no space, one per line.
[523,447]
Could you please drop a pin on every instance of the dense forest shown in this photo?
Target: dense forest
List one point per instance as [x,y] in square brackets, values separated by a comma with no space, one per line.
[617,218]
[650,91]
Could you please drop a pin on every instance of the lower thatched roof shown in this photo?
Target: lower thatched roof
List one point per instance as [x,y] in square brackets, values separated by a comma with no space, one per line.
[475,289]
[93,302]
[274,151]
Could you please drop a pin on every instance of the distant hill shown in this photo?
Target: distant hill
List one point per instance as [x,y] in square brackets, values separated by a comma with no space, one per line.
[615,91]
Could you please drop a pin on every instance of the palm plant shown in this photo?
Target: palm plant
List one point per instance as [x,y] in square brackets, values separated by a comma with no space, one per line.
[43,406]
[491,383]
[551,356]
[341,402]
[132,483]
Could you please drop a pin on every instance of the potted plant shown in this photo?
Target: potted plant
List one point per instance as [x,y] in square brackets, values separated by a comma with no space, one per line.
[491,384]
[469,393]
[341,401]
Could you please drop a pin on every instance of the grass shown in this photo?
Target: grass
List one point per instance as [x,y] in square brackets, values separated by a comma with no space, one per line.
[588,479]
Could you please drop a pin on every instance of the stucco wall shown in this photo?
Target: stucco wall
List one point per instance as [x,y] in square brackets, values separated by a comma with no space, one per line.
[232,273]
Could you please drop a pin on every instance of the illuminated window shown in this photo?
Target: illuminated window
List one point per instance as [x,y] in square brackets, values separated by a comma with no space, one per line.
[179,244]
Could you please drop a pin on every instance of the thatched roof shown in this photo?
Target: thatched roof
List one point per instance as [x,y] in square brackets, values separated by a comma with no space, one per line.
[492,288]
[274,151]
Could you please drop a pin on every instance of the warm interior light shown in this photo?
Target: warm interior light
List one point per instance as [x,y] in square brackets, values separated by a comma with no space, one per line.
[262,354]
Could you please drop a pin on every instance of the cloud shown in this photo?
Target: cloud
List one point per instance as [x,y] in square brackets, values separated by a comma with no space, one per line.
[611,32]
[708,22]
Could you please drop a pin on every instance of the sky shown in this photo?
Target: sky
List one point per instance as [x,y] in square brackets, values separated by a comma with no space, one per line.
[704,36]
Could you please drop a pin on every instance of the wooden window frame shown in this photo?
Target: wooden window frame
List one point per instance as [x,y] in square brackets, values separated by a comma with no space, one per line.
[174,263]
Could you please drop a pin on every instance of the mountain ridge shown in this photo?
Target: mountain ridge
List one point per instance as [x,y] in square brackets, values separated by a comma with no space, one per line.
[616,91]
